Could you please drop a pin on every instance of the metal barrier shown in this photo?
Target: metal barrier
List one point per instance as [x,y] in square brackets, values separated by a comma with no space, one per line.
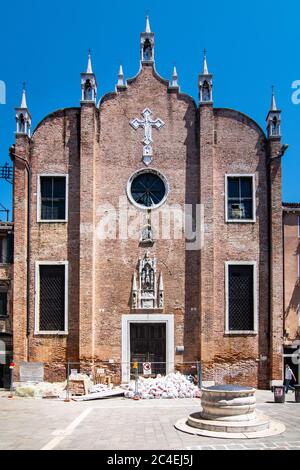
[111,372]
[108,372]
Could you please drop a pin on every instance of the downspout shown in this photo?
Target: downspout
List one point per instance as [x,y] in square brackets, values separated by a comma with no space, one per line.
[14,156]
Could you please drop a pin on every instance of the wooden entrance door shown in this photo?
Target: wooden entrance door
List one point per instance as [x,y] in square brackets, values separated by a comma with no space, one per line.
[148,344]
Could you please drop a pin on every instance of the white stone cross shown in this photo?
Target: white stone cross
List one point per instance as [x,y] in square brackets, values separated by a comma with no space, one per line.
[147,123]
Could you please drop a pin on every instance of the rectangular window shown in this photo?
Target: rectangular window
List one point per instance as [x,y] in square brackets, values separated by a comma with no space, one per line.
[240,200]
[51,303]
[3,304]
[52,198]
[6,249]
[240,297]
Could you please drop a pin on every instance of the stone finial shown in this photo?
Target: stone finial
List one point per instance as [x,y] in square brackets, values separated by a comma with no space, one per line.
[23,100]
[205,68]
[273,101]
[121,82]
[161,282]
[89,64]
[134,282]
[174,82]
[147,28]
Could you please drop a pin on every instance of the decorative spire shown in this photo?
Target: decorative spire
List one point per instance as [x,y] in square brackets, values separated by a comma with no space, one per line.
[161,282]
[161,292]
[23,117]
[147,29]
[174,82]
[23,101]
[89,64]
[205,84]
[88,83]
[121,77]
[205,68]
[134,282]
[134,295]
[273,101]
[147,44]
[273,119]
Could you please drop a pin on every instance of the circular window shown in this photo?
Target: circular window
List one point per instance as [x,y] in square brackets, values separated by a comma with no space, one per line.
[147,189]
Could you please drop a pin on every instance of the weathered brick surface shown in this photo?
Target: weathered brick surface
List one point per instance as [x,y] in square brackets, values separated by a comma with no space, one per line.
[54,148]
[207,279]
[240,148]
[20,207]
[194,150]
[276,269]
[176,156]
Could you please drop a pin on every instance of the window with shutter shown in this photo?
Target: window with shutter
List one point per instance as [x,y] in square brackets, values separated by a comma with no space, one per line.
[52,298]
[240,297]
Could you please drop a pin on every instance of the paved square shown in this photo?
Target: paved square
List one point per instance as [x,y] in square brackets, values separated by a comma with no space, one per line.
[121,423]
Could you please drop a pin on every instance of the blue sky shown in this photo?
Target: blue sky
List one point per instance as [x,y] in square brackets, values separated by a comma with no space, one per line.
[249,48]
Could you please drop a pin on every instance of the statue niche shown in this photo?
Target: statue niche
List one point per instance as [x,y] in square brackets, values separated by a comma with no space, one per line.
[146,293]
[147,278]
[147,235]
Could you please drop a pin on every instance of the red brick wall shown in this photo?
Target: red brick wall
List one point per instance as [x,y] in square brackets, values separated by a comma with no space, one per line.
[176,156]
[54,148]
[207,254]
[20,198]
[276,269]
[240,148]
[100,151]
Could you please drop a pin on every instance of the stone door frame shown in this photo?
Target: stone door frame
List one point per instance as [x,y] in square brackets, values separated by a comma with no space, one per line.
[146,318]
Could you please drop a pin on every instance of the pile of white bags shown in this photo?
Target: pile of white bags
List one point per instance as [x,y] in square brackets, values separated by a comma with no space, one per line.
[173,385]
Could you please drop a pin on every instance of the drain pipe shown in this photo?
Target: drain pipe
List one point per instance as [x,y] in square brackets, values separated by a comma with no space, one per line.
[14,156]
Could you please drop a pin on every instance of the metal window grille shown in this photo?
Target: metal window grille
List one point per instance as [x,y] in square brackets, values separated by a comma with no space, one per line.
[53,197]
[241,298]
[148,189]
[52,298]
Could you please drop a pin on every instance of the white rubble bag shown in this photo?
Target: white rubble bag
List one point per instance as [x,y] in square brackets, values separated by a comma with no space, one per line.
[173,385]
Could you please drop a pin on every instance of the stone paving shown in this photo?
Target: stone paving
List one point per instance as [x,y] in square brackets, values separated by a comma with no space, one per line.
[120,423]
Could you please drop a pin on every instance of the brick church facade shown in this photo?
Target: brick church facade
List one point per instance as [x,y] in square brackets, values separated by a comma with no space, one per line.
[83,297]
